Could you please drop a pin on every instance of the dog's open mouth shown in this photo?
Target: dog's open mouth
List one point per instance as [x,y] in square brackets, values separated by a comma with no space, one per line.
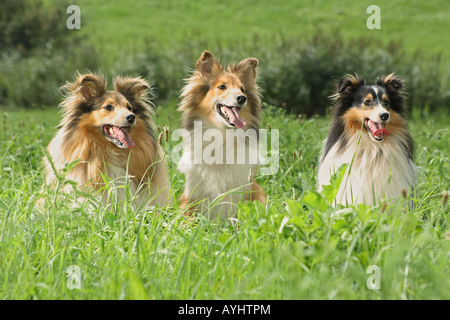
[231,115]
[118,135]
[376,130]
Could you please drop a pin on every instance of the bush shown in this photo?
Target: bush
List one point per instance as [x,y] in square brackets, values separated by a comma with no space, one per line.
[37,53]
[302,77]
[299,75]
[165,72]
[26,24]
[295,74]
[33,81]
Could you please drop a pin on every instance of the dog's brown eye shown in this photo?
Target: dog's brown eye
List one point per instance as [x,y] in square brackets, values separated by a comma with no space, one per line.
[222,87]
[242,89]
[129,108]
[386,102]
[368,102]
[109,107]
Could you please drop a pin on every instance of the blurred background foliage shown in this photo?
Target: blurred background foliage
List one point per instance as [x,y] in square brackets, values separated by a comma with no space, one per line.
[297,71]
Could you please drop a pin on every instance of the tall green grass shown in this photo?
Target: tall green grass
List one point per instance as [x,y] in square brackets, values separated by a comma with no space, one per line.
[294,247]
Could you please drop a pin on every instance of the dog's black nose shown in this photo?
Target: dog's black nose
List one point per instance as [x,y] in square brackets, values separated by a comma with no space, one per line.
[384,116]
[241,99]
[130,117]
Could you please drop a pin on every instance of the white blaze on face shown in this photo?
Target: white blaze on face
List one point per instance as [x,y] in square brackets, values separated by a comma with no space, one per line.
[374,124]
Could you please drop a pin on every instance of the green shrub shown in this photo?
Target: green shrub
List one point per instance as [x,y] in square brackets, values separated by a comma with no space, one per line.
[34,81]
[38,53]
[299,75]
[302,76]
[26,24]
[165,71]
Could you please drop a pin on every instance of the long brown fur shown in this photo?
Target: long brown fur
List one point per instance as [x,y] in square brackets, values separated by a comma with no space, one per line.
[196,94]
[197,97]
[80,138]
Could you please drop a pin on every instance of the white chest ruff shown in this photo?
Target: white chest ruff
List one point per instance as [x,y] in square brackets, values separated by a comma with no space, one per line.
[218,185]
[379,172]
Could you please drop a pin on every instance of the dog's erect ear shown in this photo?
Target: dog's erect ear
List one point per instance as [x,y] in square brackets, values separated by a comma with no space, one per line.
[208,65]
[134,89]
[246,69]
[349,83]
[390,82]
[88,86]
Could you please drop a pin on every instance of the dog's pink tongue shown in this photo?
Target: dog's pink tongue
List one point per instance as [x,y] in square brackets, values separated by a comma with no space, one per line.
[380,130]
[235,118]
[381,133]
[124,137]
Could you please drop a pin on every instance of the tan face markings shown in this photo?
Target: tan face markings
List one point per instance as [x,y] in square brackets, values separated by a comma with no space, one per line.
[223,92]
[368,100]
[228,81]
[109,104]
[112,109]
[226,88]
[353,119]
[201,97]
[116,101]
[385,100]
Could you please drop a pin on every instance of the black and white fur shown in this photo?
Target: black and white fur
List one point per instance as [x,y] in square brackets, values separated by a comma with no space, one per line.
[381,167]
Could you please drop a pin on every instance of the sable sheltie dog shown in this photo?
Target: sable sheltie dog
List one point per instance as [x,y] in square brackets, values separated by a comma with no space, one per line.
[369,133]
[223,99]
[110,133]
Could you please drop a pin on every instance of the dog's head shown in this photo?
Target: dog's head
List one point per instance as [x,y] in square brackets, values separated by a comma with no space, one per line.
[227,97]
[378,108]
[111,114]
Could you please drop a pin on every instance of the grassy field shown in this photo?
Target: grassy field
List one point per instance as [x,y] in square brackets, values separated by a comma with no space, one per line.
[295,246]
[117,26]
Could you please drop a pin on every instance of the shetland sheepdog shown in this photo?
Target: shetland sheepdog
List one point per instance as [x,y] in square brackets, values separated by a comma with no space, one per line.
[369,133]
[110,134]
[220,99]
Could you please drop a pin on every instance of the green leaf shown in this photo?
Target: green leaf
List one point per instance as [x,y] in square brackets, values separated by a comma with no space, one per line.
[315,201]
[294,208]
[330,191]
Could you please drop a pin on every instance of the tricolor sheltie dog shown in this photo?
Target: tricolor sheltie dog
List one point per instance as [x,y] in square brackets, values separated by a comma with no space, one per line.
[369,133]
[220,98]
[110,134]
